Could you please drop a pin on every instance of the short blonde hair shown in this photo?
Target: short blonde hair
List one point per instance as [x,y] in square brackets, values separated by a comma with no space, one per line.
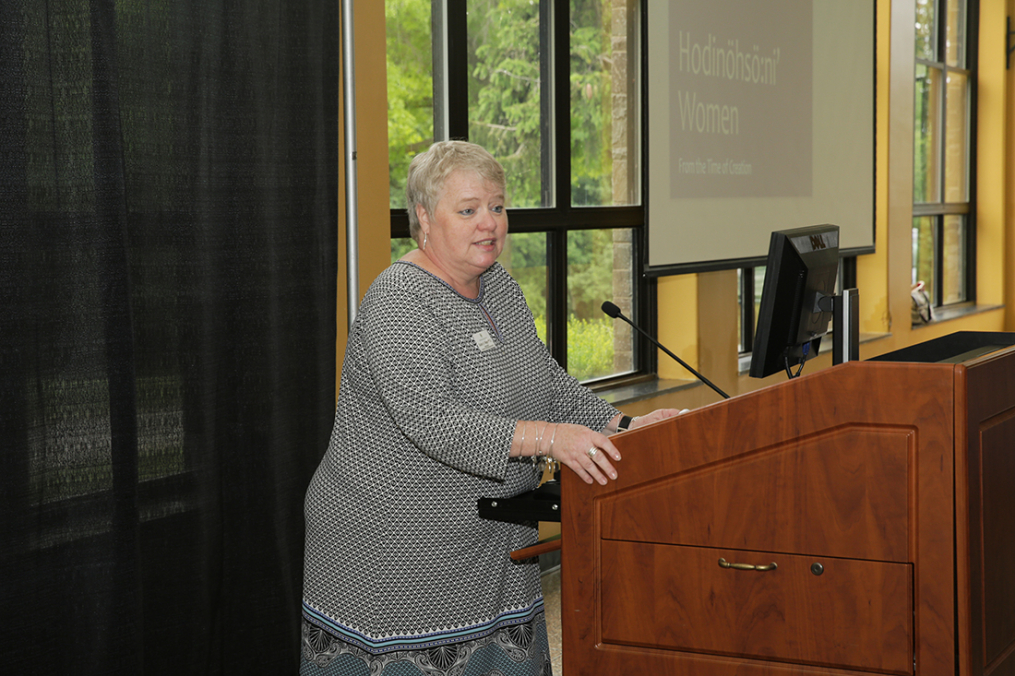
[430,170]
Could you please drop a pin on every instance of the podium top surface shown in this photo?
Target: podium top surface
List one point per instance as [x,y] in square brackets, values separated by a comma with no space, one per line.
[954,348]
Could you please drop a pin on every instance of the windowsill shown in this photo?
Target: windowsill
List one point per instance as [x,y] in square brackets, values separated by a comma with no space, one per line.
[948,313]
[621,394]
[744,363]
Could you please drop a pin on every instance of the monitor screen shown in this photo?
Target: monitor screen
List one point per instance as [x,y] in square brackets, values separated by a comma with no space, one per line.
[801,268]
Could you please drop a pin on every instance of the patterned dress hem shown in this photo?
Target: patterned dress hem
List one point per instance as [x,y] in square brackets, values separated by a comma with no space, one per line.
[509,650]
[422,641]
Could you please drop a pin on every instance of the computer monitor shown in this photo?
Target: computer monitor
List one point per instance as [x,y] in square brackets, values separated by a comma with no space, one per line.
[801,269]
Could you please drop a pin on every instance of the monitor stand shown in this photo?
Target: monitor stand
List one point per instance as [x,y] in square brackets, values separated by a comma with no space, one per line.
[845,309]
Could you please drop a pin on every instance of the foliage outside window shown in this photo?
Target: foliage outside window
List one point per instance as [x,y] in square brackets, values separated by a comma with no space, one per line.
[514,54]
[942,187]
[410,89]
[604,104]
[505,115]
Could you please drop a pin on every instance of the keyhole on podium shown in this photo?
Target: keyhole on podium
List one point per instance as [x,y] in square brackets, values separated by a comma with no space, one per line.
[817,568]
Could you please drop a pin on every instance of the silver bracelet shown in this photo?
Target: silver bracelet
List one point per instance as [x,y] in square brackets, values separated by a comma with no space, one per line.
[552,437]
[546,462]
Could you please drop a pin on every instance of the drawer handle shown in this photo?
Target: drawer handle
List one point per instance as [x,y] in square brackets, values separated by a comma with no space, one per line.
[723,563]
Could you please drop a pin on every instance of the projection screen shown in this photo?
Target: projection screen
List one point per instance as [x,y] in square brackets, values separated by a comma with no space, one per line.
[760,118]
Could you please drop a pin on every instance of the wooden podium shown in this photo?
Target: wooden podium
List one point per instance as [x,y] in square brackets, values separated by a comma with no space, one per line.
[874,500]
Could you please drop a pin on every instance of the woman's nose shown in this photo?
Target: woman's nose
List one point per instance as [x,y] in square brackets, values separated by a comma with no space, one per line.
[489,220]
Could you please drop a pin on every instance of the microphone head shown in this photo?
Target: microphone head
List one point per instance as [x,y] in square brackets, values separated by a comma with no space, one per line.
[611,309]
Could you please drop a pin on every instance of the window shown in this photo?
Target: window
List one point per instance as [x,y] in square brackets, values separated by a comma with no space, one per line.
[553,90]
[943,186]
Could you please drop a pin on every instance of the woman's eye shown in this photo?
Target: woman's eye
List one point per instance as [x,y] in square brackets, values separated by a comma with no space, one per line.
[466,212]
[497,209]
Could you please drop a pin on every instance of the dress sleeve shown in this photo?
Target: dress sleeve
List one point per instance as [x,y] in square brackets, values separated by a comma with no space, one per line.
[405,346]
[572,402]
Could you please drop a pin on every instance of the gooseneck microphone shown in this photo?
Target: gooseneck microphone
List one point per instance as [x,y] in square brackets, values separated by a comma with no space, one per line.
[614,312]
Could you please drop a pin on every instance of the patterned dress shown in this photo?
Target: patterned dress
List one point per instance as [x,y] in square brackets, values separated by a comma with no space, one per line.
[402,577]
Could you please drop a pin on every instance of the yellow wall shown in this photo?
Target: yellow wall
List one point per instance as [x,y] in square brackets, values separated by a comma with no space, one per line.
[1009,165]
[883,278]
[374,239]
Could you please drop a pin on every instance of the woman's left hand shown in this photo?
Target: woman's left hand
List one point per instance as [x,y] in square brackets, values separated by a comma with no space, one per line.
[655,416]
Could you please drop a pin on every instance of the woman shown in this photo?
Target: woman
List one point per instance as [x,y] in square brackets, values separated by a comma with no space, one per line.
[447,395]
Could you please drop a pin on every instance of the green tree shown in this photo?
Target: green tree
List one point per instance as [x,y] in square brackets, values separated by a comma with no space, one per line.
[591,103]
[410,88]
[504,91]
[504,95]
[589,272]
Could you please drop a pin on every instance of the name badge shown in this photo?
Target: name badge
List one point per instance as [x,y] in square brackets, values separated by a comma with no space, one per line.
[484,341]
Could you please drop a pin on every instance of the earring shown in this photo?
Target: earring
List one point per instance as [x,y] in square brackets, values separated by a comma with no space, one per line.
[424,242]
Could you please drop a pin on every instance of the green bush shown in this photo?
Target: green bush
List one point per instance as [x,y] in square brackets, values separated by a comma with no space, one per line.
[589,346]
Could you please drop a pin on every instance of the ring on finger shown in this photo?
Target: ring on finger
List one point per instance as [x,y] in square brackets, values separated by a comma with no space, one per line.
[592,452]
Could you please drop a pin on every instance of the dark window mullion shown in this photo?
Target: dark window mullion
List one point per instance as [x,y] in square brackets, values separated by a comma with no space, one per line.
[970,267]
[935,208]
[848,280]
[972,23]
[546,105]
[646,357]
[939,142]
[939,260]
[399,223]
[646,294]
[458,69]
[556,295]
[560,66]
[583,218]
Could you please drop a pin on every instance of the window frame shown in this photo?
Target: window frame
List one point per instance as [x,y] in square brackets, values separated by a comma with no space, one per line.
[559,220]
[939,209]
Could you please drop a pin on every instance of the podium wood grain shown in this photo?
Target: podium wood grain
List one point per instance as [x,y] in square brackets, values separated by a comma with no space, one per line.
[897,478]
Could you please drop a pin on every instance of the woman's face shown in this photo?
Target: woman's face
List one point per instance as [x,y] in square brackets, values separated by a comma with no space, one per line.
[466,233]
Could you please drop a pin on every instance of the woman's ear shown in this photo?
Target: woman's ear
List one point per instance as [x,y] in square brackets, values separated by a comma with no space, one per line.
[423,217]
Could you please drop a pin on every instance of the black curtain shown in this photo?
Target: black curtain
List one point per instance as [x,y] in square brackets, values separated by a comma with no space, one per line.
[168,232]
